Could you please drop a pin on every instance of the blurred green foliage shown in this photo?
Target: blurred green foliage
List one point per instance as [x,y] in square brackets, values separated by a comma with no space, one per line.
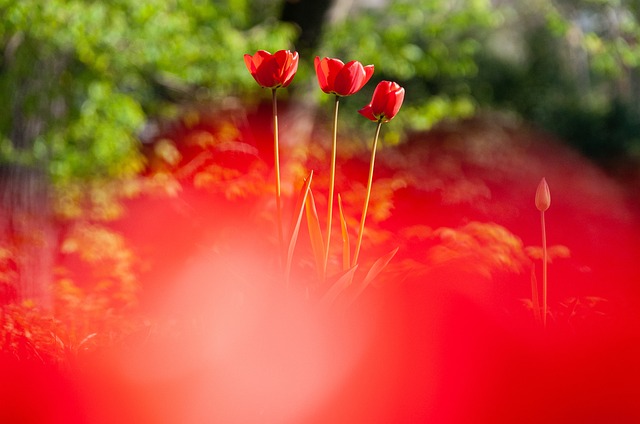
[429,46]
[79,78]
[568,66]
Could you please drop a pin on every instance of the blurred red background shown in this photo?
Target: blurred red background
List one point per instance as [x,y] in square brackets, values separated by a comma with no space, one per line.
[445,335]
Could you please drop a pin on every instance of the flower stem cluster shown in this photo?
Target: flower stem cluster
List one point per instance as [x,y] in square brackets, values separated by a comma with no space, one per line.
[277,70]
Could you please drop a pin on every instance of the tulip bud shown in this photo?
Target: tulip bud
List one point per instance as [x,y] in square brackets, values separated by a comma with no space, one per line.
[385,103]
[543,196]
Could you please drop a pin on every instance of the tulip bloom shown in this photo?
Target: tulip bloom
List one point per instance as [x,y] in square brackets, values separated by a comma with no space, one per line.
[272,70]
[341,80]
[385,103]
[337,78]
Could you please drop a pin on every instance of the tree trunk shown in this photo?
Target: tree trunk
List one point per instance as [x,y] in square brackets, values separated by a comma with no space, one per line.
[27,233]
[27,230]
[309,16]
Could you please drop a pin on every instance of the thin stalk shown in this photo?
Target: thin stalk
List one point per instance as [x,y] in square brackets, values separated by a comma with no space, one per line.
[544,270]
[332,180]
[366,200]
[535,299]
[276,154]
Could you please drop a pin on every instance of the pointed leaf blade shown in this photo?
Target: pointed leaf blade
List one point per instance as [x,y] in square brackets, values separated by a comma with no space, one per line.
[315,234]
[338,287]
[535,300]
[346,248]
[296,221]
[378,266]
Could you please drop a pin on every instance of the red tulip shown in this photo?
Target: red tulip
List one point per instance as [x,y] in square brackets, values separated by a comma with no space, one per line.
[272,70]
[385,103]
[337,78]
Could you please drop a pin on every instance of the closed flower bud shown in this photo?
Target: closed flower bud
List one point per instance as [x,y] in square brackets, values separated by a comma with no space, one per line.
[543,196]
[385,103]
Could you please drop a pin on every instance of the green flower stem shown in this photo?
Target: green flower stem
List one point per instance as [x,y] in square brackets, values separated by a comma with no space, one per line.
[276,154]
[366,200]
[334,148]
[544,270]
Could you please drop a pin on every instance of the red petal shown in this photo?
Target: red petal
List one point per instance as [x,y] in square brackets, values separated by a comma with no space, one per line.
[327,69]
[248,60]
[267,73]
[368,70]
[395,99]
[291,69]
[367,112]
[349,79]
[379,99]
[321,73]
[260,57]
